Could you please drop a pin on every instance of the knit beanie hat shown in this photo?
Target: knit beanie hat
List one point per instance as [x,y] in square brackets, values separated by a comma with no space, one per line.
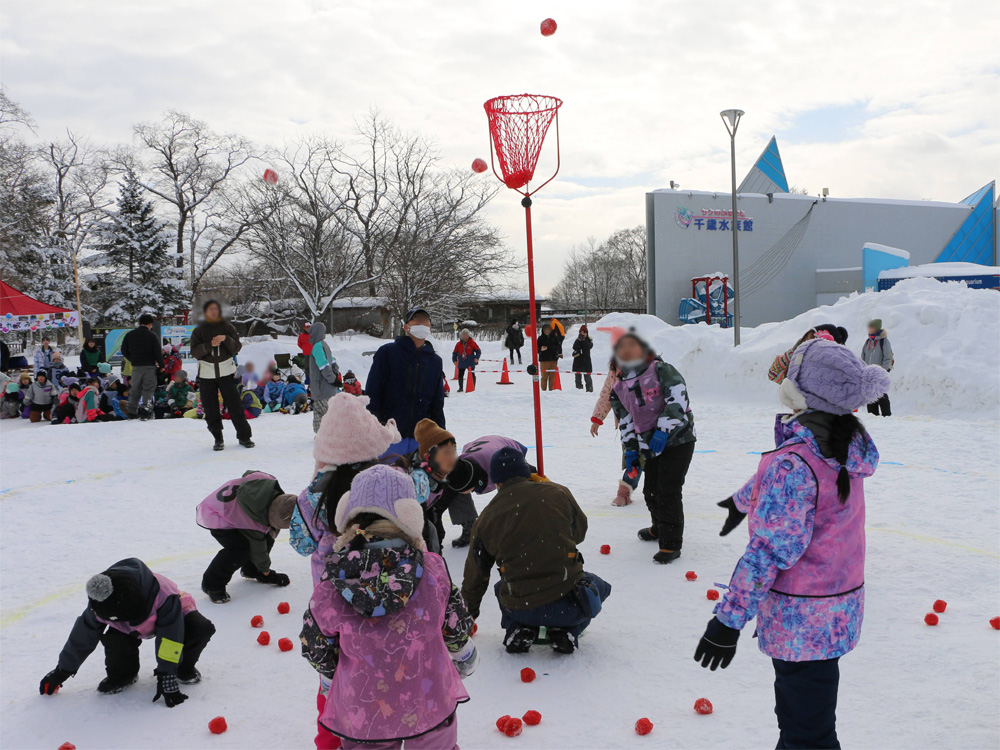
[103,367]
[875,323]
[584,329]
[114,595]
[829,377]
[279,514]
[181,375]
[428,435]
[508,463]
[350,434]
[468,476]
[389,493]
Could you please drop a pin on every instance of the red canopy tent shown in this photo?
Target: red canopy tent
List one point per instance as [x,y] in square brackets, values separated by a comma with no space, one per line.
[19,312]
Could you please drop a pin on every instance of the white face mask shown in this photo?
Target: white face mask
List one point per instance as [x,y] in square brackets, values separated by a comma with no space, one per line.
[419,332]
[632,364]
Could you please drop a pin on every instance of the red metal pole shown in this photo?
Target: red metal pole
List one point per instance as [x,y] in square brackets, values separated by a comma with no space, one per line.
[536,391]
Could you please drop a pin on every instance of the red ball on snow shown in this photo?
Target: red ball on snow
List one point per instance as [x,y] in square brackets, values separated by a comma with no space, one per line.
[264,638]
[931,619]
[532,718]
[712,595]
[479,165]
[691,575]
[284,608]
[527,674]
[513,727]
[270,176]
[256,621]
[605,549]
[703,706]
[218,725]
[995,622]
[475,627]
[502,722]
[285,644]
[940,606]
[67,746]
[548,27]
[643,726]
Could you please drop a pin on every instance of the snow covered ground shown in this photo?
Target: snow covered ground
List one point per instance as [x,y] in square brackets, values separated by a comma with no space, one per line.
[74,499]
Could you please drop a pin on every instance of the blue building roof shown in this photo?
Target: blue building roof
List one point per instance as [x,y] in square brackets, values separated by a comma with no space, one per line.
[973,241]
[767,174]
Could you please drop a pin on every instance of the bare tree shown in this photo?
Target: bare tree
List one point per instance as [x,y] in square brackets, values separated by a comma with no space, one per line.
[606,275]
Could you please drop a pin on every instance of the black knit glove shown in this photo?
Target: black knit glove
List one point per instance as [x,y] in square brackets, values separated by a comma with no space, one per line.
[53,681]
[735,516]
[718,646]
[278,579]
[169,688]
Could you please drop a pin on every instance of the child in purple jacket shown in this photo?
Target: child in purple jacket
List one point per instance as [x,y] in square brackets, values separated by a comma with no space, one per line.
[803,573]
[386,626]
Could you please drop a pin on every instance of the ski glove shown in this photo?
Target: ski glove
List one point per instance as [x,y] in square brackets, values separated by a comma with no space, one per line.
[53,681]
[632,469]
[735,518]
[658,442]
[168,687]
[278,579]
[718,646]
[466,660]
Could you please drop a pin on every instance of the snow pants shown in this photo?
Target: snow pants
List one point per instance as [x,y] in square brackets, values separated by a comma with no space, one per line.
[121,651]
[663,490]
[210,389]
[805,702]
[442,737]
[882,404]
[143,386]
[563,614]
[234,555]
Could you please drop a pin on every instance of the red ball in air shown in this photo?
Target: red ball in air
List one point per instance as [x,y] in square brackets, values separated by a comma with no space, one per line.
[712,595]
[605,549]
[283,608]
[270,177]
[475,628]
[256,621]
[691,575]
[285,644]
[479,165]
[931,619]
[940,606]
[548,27]
[67,746]
[527,674]
[995,622]
[643,726]
[264,638]
[502,722]
[703,706]
[513,727]
[218,725]
[532,718]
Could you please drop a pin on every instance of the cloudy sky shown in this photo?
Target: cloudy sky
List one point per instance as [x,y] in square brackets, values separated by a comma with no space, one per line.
[870,98]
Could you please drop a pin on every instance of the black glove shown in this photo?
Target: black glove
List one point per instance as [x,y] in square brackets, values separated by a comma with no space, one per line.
[278,579]
[718,646]
[735,516]
[53,681]
[168,687]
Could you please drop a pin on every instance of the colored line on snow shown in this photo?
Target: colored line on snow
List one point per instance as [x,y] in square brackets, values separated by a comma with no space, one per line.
[710,450]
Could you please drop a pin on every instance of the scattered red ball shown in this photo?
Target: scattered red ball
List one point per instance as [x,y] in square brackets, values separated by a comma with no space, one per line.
[67,746]
[264,638]
[931,619]
[475,627]
[995,622]
[479,165]
[703,706]
[605,549]
[691,575]
[513,727]
[712,595]
[940,606]
[270,176]
[532,718]
[285,644]
[527,674]
[548,27]
[218,725]
[256,621]
[643,726]
[284,608]
[502,723]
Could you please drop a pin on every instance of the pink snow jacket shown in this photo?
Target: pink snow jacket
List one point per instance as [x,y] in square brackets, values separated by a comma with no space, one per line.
[382,625]
[802,574]
[603,406]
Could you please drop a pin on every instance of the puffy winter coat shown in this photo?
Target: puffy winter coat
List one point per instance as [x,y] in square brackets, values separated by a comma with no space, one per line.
[90,359]
[142,348]
[514,338]
[878,351]
[291,392]
[251,404]
[40,394]
[273,391]
[466,354]
[178,393]
[406,384]
[43,359]
[652,398]
[86,407]
[549,347]
[306,341]
[581,354]
[243,504]
[215,361]
[323,371]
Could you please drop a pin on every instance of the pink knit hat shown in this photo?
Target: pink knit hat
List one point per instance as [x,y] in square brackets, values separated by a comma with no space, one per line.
[349,433]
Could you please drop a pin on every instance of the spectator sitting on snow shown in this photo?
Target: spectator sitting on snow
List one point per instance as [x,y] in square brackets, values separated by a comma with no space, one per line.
[12,399]
[179,393]
[273,391]
[172,362]
[351,384]
[113,403]
[66,403]
[249,377]
[244,515]
[24,383]
[878,351]
[251,404]
[58,368]
[466,357]
[295,396]
[87,408]
[40,398]
[127,604]
[530,531]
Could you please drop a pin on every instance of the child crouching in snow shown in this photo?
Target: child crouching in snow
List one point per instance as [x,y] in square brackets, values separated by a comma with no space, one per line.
[386,626]
[803,573]
[129,603]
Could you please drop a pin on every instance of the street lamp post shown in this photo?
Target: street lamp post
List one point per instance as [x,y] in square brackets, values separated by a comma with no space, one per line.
[731,119]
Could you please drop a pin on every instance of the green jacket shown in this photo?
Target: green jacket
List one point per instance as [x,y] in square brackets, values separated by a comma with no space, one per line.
[255,498]
[675,418]
[179,393]
[530,531]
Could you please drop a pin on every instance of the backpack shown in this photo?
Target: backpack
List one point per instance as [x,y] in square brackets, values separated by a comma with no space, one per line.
[892,362]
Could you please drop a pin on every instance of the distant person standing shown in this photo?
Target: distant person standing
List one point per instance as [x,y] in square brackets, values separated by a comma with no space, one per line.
[305,342]
[878,351]
[43,358]
[549,354]
[514,340]
[466,357]
[90,357]
[214,343]
[141,347]
[582,365]
[324,374]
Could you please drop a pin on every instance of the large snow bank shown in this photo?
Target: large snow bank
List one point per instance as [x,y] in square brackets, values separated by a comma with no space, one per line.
[944,335]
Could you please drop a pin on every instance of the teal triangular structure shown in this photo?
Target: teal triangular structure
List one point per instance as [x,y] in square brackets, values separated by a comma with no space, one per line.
[974,240]
[767,174]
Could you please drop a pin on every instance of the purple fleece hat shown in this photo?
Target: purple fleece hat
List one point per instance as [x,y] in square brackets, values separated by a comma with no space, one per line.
[387,492]
[831,378]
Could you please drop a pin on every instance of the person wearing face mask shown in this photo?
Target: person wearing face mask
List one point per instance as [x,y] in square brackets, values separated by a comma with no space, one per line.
[650,401]
[406,381]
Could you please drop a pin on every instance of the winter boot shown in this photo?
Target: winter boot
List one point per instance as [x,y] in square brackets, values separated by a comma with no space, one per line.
[111,685]
[217,597]
[561,641]
[648,535]
[463,540]
[624,496]
[247,443]
[145,415]
[192,677]
[664,556]
[519,639]
[220,445]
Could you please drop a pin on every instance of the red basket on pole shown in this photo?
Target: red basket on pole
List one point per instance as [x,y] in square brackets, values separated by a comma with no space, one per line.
[518,126]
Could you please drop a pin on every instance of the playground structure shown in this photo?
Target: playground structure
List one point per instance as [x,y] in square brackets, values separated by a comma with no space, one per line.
[708,304]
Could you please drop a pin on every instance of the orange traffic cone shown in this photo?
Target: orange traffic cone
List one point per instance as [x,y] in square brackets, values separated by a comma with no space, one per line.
[456,372]
[556,385]
[505,375]
[470,381]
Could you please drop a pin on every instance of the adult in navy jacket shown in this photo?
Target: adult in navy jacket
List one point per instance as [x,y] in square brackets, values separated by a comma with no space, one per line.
[406,381]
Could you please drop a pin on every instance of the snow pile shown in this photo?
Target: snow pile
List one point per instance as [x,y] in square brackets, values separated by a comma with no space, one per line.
[943,334]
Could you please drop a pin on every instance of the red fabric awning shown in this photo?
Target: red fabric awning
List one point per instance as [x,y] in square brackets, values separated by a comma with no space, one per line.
[18,303]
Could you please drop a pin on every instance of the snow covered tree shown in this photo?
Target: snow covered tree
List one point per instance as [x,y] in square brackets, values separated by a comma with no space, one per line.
[140,275]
